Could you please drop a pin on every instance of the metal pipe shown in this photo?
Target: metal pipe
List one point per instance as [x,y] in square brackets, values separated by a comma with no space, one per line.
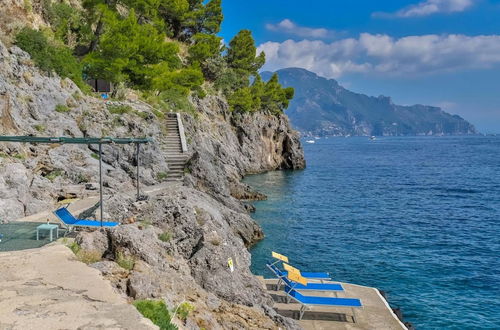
[100,182]
[138,165]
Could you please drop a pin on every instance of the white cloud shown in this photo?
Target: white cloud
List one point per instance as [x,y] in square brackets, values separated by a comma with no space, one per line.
[382,54]
[289,27]
[430,7]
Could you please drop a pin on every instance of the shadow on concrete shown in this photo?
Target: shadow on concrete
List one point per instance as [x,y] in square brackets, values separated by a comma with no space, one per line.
[315,316]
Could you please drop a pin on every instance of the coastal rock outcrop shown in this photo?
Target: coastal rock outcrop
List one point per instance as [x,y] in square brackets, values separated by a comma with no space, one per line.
[178,245]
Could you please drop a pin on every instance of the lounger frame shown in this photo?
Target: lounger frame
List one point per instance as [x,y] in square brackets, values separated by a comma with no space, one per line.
[305,306]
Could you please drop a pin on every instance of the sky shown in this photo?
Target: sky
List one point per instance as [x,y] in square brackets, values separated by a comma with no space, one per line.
[435,52]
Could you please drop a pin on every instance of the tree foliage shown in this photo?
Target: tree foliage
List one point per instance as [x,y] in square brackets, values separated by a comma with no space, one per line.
[50,56]
[129,52]
[241,54]
[138,43]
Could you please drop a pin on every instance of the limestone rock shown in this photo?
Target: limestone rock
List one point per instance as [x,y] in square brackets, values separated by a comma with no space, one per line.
[96,240]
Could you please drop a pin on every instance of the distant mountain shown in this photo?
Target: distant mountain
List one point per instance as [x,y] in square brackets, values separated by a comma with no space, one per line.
[322,107]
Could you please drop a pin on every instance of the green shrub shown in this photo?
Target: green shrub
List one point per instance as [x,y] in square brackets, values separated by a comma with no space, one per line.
[50,56]
[62,108]
[183,310]
[88,256]
[39,128]
[161,176]
[68,23]
[241,100]
[74,247]
[145,223]
[28,6]
[165,236]
[82,178]
[94,155]
[157,312]
[143,114]
[125,262]
[119,109]
[54,174]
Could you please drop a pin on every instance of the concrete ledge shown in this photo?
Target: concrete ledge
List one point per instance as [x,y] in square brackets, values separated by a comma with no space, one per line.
[375,313]
[48,288]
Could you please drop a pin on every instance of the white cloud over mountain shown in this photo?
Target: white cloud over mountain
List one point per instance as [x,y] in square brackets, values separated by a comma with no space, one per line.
[430,7]
[382,54]
[289,27]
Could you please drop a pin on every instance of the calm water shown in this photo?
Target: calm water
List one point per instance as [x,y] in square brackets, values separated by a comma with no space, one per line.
[416,217]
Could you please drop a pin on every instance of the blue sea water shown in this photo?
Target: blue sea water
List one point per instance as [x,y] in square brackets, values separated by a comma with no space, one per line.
[417,217]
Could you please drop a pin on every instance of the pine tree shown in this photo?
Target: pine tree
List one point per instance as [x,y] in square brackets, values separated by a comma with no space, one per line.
[128,49]
[241,54]
[275,99]
[241,100]
[204,46]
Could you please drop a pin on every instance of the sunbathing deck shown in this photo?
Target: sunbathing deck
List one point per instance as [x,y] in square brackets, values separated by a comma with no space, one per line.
[375,313]
[48,288]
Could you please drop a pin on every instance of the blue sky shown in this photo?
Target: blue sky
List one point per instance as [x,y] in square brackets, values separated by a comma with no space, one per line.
[437,52]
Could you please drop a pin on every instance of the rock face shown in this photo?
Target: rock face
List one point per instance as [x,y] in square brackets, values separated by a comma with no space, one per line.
[178,246]
[322,107]
[226,146]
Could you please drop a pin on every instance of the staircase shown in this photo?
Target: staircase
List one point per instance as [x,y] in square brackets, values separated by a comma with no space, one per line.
[176,158]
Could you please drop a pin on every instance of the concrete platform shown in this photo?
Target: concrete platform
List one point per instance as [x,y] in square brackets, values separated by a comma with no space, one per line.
[48,288]
[375,313]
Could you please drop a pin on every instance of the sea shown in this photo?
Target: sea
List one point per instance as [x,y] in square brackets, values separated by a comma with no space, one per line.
[416,217]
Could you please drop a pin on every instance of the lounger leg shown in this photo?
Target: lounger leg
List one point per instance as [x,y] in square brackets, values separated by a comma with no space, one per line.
[353,315]
[301,312]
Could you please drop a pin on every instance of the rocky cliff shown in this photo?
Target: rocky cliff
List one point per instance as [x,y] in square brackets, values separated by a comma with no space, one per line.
[203,220]
[322,107]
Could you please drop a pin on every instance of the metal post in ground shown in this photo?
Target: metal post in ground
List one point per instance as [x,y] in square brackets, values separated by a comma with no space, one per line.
[100,182]
[138,165]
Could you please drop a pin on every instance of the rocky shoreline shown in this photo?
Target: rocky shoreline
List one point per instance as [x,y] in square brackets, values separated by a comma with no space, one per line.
[201,221]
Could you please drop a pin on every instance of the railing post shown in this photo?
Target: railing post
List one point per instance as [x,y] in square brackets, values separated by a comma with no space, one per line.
[137,151]
[100,182]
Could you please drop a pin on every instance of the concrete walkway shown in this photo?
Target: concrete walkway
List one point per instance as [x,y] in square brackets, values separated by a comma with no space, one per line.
[48,288]
[375,313]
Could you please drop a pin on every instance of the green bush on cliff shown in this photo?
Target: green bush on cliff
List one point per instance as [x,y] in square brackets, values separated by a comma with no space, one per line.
[50,56]
[157,312]
[130,52]
[183,310]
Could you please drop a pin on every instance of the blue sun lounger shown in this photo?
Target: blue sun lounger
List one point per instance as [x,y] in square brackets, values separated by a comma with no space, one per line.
[322,276]
[308,301]
[65,216]
[283,277]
